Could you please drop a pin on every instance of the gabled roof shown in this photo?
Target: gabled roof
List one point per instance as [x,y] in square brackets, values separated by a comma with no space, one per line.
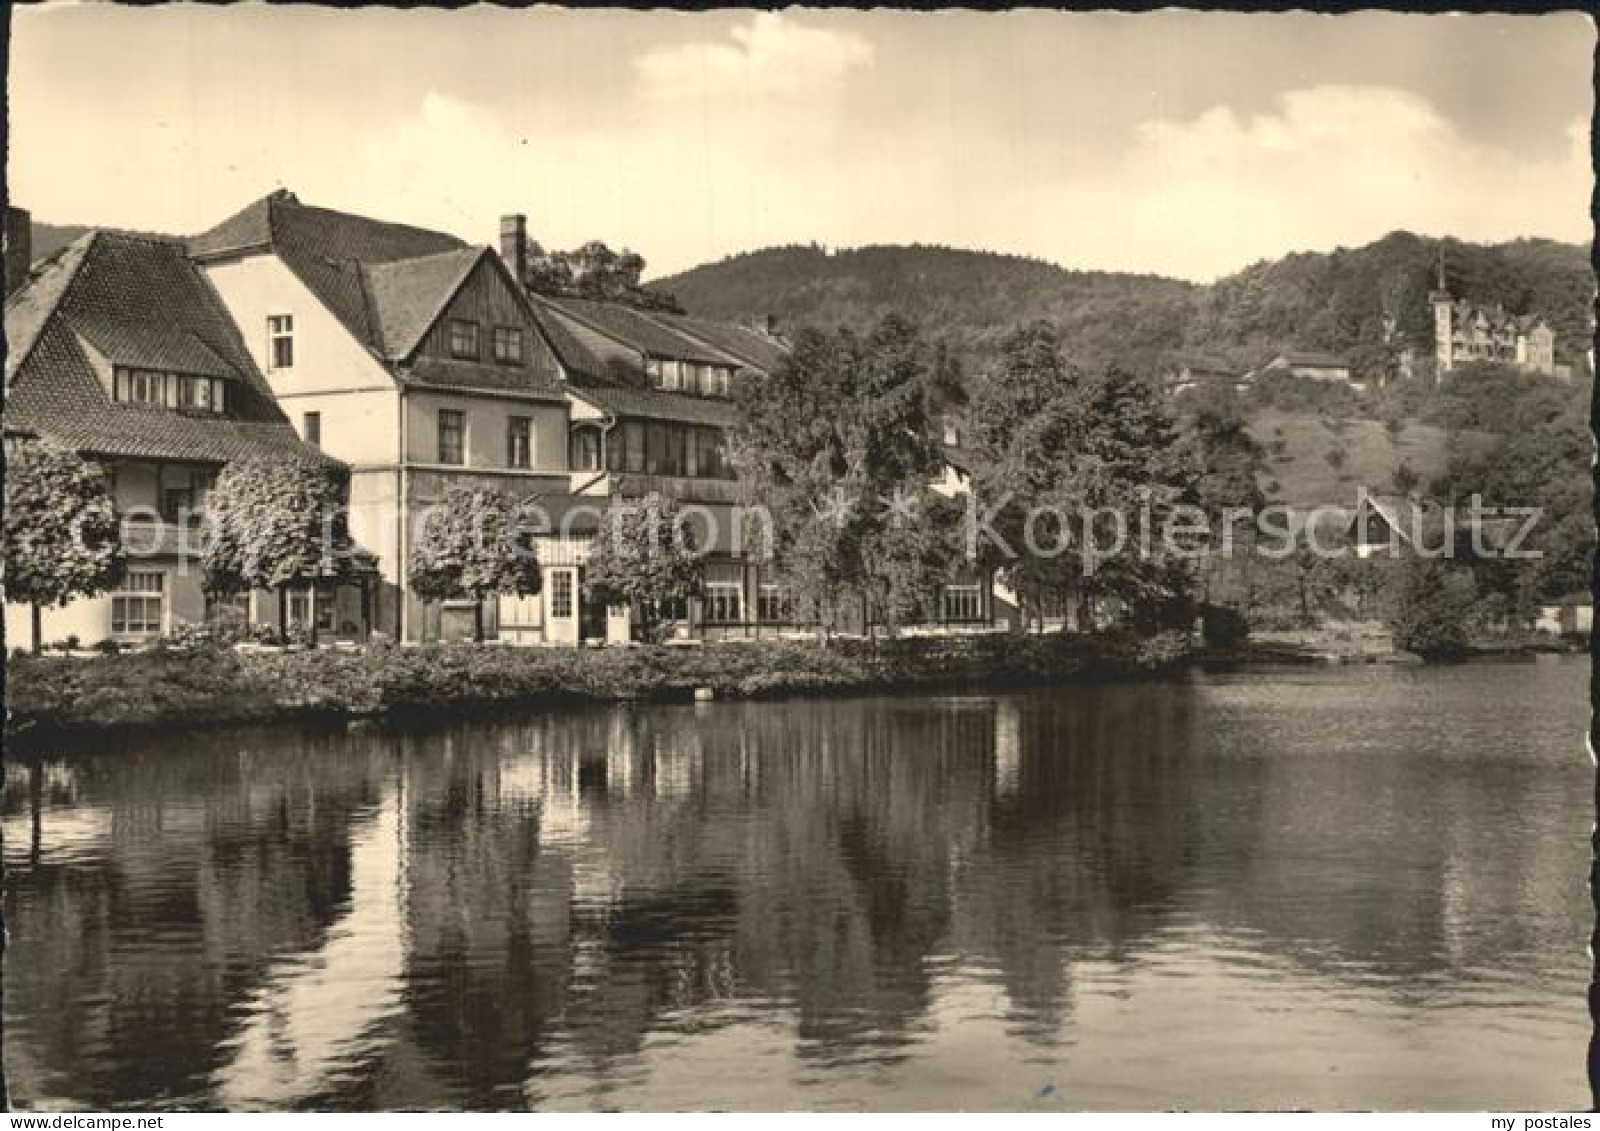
[753,347]
[329,251]
[138,302]
[408,295]
[387,283]
[30,306]
[641,331]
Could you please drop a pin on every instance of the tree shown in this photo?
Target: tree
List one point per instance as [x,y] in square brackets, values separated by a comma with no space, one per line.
[62,538]
[593,271]
[645,556]
[1228,463]
[1054,447]
[1336,457]
[838,444]
[475,544]
[272,524]
[1406,479]
[1429,607]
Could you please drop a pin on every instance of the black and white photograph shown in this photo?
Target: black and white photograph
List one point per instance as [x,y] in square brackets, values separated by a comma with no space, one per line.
[819,560]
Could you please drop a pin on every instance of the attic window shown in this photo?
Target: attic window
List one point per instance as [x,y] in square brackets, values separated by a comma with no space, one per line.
[168,390]
[508,345]
[463,339]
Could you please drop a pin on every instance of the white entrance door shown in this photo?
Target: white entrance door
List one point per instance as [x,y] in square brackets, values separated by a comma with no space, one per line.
[561,609]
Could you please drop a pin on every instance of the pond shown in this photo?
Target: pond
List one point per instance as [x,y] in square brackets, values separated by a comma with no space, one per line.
[1333,888]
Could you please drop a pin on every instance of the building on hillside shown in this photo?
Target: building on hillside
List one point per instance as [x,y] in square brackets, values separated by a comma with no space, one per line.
[1572,615]
[120,350]
[1466,331]
[1182,374]
[1314,364]
[418,361]
[1395,524]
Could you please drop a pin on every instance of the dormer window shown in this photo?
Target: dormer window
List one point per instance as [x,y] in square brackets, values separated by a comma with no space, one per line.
[280,341]
[463,339]
[186,391]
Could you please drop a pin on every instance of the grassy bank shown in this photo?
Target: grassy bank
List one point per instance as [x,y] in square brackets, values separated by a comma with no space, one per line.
[215,686]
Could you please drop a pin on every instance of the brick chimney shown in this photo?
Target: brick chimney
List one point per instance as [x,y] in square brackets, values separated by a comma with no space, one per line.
[514,245]
[18,247]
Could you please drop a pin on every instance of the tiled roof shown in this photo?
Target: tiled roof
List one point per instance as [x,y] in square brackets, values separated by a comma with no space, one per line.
[451,374]
[408,295]
[578,359]
[327,250]
[138,302]
[753,347]
[641,331]
[141,344]
[1315,359]
[29,307]
[652,404]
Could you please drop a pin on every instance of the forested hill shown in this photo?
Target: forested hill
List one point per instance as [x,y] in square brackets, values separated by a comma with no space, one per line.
[1334,301]
[975,297]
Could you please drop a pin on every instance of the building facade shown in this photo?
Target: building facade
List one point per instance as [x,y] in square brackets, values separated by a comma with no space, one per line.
[1465,331]
[413,358]
[120,350]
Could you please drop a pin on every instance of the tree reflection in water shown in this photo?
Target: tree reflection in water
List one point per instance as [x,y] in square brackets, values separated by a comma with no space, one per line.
[527,912]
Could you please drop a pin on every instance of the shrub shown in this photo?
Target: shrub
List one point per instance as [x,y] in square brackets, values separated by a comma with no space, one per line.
[107,647]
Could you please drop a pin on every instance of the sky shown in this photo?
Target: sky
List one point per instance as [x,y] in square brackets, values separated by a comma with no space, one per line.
[1182,143]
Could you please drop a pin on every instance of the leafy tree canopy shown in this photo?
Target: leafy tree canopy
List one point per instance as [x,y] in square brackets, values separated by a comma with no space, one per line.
[645,556]
[62,538]
[273,523]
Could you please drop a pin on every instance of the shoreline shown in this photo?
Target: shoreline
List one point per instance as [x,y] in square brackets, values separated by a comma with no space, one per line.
[72,700]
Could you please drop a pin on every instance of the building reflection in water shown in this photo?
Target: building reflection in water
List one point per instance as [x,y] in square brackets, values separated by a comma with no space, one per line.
[527,913]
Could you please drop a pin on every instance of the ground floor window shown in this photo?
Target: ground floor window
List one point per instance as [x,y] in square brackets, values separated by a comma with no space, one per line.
[775,604]
[136,606]
[724,602]
[962,602]
[674,610]
[300,609]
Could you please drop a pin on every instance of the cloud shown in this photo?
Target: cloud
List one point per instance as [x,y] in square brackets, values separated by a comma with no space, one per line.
[1328,165]
[772,56]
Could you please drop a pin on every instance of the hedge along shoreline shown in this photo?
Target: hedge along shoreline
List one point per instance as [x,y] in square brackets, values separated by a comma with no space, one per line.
[52,697]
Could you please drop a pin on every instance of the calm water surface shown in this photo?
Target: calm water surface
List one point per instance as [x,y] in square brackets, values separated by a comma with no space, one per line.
[1331,888]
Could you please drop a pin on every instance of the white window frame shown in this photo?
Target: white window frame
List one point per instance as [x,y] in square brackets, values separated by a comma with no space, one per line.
[466,326]
[280,328]
[138,589]
[955,601]
[510,335]
[772,597]
[563,594]
[724,597]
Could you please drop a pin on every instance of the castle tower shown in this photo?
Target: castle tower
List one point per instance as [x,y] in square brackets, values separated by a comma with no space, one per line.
[1443,322]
